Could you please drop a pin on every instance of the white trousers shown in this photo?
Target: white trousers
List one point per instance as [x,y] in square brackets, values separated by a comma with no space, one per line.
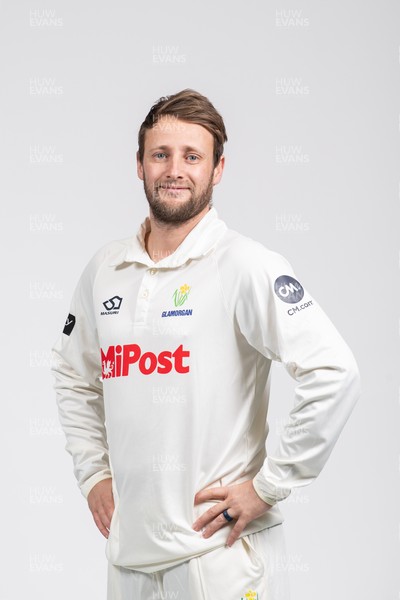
[252,569]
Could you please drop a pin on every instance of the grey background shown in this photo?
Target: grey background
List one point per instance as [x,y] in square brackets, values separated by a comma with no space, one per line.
[310,97]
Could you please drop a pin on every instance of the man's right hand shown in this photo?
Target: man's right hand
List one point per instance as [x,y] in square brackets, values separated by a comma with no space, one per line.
[101,504]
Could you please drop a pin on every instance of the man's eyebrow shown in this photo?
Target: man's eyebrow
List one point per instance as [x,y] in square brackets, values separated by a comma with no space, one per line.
[185,148]
[158,148]
[193,149]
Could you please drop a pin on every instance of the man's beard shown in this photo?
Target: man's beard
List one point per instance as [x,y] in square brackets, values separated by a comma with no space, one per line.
[166,211]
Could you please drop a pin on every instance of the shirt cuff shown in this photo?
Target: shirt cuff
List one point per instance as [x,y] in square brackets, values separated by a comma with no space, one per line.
[91,482]
[267,492]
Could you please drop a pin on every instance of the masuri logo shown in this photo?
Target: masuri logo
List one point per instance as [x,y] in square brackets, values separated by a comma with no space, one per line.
[181,294]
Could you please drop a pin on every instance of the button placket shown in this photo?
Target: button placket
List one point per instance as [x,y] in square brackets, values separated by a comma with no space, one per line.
[146,290]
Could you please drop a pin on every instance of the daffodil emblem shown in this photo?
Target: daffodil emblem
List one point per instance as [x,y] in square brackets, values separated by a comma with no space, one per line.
[250,596]
[181,294]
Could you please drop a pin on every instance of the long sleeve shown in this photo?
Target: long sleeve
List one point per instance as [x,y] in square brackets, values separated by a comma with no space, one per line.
[79,390]
[283,322]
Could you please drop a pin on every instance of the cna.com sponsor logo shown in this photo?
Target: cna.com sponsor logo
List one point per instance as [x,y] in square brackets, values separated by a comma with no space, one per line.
[296,309]
[288,289]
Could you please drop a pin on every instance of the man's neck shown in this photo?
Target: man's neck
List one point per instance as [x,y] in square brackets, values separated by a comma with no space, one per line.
[164,238]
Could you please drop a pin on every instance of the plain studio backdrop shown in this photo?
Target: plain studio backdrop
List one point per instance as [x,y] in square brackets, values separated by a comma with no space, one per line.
[310,96]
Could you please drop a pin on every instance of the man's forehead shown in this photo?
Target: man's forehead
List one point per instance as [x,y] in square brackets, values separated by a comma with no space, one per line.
[172,128]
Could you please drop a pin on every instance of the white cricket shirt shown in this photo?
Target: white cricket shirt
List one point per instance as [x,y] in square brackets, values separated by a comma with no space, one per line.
[162,380]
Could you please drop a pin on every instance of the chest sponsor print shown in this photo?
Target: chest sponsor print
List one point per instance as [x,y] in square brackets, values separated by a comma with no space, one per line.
[117,361]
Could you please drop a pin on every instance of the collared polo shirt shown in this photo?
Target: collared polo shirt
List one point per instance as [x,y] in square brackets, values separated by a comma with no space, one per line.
[163,375]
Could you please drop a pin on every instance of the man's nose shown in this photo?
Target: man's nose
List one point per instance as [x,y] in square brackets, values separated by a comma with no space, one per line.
[174,168]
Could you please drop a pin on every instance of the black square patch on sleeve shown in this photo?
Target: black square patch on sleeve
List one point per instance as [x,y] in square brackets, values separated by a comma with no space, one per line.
[69,324]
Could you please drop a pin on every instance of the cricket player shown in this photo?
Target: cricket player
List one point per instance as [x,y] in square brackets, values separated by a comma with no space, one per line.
[162,375]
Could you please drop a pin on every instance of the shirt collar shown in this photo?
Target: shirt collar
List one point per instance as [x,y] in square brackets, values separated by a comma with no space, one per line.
[199,242]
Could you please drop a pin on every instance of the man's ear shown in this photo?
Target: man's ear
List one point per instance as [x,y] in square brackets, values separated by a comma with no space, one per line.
[218,170]
[139,166]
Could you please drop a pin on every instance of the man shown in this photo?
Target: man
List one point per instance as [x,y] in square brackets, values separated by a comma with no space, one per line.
[162,379]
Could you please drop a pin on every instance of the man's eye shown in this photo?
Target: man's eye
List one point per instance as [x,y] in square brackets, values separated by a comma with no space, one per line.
[192,157]
[159,154]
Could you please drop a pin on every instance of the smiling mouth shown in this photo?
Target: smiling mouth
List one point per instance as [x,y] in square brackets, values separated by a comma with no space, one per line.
[171,186]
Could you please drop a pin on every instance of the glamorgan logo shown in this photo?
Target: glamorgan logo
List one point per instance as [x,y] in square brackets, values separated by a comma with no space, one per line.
[112,306]
[117,360]
[181,294]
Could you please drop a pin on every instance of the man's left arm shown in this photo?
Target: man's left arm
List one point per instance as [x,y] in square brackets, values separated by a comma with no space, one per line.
[284,323]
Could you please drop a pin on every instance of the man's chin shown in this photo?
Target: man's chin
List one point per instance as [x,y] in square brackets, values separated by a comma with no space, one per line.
[168,213]
[163,215]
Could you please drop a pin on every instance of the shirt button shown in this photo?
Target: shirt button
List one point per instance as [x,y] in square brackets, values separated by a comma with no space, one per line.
[153,271]
[145,294]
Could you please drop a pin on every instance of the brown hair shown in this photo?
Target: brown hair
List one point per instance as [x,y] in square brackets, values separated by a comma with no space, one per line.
[187,105]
